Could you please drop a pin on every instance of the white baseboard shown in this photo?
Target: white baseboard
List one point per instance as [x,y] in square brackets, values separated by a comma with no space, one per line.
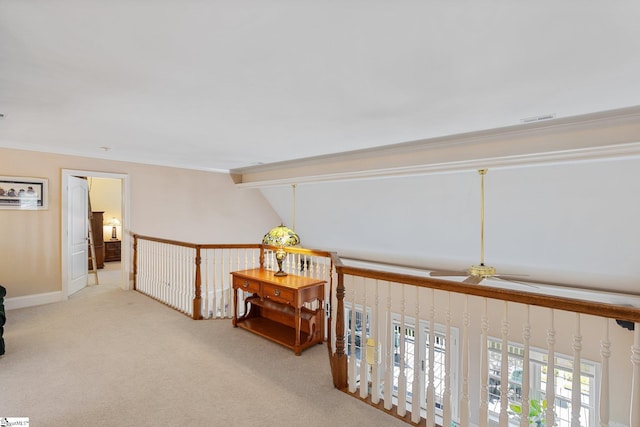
[32,300]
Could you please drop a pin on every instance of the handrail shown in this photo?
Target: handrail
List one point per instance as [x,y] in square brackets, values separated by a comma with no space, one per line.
[627,313]
[200,245]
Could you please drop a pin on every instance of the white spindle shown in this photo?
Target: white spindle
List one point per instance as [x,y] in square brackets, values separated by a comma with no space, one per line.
[204,285]
[464,396]
[226,294]
[526,372]
[389,360]
[431,391]
[221,279]
[634,413]
[605,353]
[402,376]
[212,274]
[375,334]
[484,368]
[352,344]
[576,393]
[364,374]
[446,413]
[504,370]
[551,369]
[417,365]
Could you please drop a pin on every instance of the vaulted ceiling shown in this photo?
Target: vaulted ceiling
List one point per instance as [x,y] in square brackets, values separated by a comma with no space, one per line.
[219,85]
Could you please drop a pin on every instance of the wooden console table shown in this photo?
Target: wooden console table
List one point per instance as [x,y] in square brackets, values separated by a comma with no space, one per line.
[275,309]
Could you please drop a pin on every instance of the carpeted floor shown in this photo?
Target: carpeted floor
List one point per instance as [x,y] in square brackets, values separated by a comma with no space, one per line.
[113,357]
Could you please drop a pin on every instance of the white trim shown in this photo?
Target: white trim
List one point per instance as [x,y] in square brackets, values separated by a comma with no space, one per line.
[33,300]
[592,154]
[125,237]
[589,137]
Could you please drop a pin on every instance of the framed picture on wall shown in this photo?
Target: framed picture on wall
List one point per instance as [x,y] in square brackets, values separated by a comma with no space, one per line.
[23,193]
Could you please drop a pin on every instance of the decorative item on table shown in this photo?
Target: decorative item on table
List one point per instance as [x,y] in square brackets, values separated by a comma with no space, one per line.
[281,237]
[114,223]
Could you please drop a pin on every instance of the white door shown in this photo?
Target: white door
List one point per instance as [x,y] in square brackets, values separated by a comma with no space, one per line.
[78,229]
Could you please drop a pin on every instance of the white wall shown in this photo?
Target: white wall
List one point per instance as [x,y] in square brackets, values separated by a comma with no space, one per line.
[573,223]
[106,196]
[171,203]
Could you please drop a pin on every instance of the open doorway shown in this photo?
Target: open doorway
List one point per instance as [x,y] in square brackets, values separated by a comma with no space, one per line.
[107,194]
[105,197]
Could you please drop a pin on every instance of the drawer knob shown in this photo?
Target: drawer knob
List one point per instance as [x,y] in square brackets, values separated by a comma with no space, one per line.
[245,284]
[276,292]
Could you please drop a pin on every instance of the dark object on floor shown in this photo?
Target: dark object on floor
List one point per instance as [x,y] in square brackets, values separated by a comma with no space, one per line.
[3,318]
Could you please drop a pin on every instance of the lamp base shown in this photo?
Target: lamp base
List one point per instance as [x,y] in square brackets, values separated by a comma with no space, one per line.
[280,273]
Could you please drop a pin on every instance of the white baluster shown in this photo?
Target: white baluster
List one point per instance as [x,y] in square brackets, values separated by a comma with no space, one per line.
[576,400]
[177,274]
[187,285]
[504,370]
[212,287]
[526,363]
[364,374]
[446,414]
[402,375]
[551,372]
[484,368]
[389,360]
[605,353]
[221,287]
[634,413]
[166,261]
[464,395]
[417,363]
[431,388]
[204,285]
[375,368]
[352,344]
[159,285]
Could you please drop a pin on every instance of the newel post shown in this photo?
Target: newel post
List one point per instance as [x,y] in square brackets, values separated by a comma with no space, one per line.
[135,261]
[197,300]
[261,256]
[339,359]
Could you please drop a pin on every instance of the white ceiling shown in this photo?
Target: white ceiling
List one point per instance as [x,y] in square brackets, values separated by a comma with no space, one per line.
[225,84]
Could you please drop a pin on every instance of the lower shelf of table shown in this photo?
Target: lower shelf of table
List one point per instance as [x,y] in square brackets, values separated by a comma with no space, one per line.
[277,332]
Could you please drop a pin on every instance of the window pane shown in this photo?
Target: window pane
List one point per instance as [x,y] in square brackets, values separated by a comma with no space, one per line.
[538,379]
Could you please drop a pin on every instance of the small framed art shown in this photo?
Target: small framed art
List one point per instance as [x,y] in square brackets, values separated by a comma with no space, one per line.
[23,193]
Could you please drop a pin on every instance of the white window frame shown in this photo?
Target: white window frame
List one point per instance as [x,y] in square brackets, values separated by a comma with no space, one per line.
[562,362]
[409,322]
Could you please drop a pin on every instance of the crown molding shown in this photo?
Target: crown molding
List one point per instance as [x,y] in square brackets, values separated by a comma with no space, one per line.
[589,137]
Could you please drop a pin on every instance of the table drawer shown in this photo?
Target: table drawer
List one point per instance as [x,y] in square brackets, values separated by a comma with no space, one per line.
[275,293]
[247,285]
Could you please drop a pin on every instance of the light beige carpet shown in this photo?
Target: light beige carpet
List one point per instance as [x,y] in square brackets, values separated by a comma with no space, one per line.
[113,357]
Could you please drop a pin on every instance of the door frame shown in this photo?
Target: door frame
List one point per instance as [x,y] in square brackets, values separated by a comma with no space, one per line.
[126,239]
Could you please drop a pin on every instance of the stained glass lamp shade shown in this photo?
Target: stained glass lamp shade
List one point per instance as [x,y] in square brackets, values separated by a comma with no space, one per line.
[280,237]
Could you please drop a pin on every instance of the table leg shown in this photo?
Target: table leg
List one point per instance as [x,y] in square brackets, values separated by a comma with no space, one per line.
[298,327]
[234,320]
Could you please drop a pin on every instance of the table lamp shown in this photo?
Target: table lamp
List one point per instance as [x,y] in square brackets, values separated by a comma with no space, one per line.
[281,236]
